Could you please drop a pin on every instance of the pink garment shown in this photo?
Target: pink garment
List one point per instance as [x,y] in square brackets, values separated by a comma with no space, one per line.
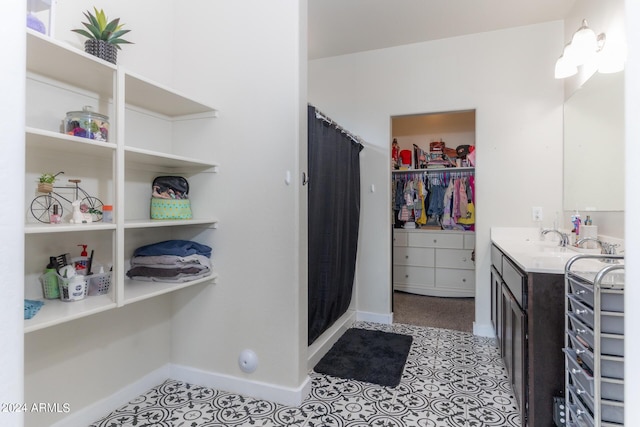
[462,199]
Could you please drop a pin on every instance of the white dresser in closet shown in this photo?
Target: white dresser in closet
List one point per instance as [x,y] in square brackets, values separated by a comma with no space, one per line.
[436,263]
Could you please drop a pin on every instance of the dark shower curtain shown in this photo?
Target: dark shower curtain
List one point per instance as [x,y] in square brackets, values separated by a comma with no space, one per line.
[334,216]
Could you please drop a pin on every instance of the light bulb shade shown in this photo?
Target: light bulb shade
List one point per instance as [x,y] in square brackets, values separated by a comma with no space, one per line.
[571,56]
[583,44]
[612,58]
[564,68]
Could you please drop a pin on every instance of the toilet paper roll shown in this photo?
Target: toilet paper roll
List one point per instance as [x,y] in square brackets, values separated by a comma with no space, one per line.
[589,231]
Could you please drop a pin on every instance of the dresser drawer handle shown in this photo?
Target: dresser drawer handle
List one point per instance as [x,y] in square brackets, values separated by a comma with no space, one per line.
[406,276]
[576,371]
[464,280]
[578,351]
[580,391]
[579,312]
[406,256]
[435,240]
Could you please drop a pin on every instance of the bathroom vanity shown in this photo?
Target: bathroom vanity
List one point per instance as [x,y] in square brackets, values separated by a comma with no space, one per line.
[527,312]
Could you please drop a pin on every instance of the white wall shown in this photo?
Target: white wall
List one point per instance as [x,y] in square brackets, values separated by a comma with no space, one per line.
[632,233]
[12,87]
[152,32]
[248,62]
[507,77]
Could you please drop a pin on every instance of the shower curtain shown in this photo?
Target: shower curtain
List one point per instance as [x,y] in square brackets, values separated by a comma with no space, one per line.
[334,217]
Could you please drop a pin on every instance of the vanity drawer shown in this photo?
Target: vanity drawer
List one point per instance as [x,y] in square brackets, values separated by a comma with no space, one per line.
[409,275]
[515,281]
[610,322]
[454,258]
[419,257]
[436,240]
[496,258]
[612,345]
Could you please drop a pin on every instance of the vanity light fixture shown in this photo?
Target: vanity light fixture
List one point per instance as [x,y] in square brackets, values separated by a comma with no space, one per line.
[584,46]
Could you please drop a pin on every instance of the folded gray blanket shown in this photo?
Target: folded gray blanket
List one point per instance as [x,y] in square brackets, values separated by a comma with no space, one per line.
[167,274]
[171,261]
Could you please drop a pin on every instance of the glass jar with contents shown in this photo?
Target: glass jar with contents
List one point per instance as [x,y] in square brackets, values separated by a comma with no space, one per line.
[107,213]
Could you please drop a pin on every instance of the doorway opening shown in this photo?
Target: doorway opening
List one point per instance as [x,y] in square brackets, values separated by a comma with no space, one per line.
[433,208]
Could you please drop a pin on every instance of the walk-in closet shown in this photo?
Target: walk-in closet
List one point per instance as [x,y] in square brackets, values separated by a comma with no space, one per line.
[433,219]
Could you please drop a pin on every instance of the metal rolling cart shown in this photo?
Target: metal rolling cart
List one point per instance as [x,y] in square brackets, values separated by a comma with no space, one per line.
[594,343]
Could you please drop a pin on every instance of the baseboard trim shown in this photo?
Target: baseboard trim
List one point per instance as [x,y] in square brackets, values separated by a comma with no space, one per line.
[365,316]
[274,393]
[323,343]
[483,330]
[97,410]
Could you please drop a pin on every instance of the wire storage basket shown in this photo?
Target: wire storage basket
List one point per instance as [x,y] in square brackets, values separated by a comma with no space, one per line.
[50,287]
[98,284]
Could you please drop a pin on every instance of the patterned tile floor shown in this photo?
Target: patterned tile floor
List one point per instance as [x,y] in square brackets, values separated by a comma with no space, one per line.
[451,379]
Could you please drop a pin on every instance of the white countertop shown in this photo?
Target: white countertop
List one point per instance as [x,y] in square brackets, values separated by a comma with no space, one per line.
[533,255]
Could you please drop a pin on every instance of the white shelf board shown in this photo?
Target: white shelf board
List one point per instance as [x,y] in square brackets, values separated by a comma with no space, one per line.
[138,290]
[51,58]
[144,93]
[155,158]
[41,228]
[42,139]
[150,223]
[55,312]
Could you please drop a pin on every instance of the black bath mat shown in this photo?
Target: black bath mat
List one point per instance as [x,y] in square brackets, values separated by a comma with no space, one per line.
[375,357]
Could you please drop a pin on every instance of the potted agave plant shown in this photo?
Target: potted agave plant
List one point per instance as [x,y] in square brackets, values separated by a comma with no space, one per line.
[104,36]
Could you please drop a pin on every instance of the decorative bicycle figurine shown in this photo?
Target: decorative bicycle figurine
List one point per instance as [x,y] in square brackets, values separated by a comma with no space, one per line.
[48,206]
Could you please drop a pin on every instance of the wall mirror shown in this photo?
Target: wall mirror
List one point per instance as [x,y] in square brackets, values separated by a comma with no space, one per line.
[594,145]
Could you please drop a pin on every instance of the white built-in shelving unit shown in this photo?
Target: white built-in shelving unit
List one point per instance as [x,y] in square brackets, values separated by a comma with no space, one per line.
[154,131]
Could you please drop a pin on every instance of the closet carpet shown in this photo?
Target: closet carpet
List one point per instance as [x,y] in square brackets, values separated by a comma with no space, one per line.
[451,379]
[457,314]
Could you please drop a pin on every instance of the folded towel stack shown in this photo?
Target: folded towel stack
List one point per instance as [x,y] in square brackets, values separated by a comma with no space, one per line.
[171,261]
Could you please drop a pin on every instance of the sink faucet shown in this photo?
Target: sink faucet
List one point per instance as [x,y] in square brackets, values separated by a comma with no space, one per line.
[606,248]
[564,239]
[592,239]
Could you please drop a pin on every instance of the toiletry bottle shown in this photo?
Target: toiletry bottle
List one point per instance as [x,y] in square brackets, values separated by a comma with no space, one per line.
[55,217]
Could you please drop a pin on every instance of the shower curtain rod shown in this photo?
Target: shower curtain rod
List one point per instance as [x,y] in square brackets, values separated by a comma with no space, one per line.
[320,115]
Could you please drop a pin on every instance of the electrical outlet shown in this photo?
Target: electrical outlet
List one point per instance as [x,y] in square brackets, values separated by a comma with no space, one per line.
[536,213]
